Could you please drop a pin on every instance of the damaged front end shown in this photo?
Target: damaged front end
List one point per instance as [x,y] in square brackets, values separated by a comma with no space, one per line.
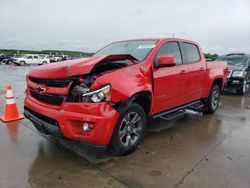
[79,101]
[81,91]
[84,112]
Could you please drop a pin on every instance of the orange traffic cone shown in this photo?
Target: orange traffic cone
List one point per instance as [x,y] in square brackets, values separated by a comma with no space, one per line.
[11,111]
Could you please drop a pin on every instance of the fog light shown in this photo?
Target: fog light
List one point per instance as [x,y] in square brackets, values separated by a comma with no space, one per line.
[87,126]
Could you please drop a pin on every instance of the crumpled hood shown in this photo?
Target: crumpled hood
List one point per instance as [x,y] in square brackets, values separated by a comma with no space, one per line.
[237,68]
[71,68]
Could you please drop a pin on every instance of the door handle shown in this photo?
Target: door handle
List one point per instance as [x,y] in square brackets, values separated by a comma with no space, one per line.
[182,72]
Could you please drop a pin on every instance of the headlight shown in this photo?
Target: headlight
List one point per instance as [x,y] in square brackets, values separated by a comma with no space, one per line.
[99,95]
[239,74]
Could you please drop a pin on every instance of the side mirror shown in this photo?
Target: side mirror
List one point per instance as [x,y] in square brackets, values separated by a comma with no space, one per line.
[166,61]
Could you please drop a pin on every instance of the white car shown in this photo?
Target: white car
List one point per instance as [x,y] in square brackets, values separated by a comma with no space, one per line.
[30,59]
[54,58]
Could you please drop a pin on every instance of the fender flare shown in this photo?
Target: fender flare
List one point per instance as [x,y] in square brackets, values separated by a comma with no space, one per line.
[210,84]
[124,104]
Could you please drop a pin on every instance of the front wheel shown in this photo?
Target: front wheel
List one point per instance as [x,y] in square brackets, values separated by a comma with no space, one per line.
[213,101]
[129,130]
[22,63]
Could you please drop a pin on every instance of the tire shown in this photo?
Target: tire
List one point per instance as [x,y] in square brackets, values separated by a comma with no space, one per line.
[22,63]
[213,101]
[243,89]
[129,130]
[44,63]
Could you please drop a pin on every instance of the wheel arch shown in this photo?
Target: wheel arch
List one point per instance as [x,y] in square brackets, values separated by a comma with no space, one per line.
[218,82]
[209,85]
[143,98]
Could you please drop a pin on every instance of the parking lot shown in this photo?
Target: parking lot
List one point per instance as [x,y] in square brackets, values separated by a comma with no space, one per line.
[196,151]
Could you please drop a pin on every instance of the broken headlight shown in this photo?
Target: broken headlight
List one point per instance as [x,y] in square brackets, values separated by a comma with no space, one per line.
[99,95]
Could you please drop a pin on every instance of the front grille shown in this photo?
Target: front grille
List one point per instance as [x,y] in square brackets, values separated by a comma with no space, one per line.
[42,117]
[233,81]
[62,82]
[51,99]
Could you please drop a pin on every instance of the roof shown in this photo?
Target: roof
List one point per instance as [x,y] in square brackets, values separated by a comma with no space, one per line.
[160,39]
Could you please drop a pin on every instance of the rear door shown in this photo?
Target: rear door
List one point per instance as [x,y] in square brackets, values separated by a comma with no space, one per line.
[36,60]
[169,82]
[196,71]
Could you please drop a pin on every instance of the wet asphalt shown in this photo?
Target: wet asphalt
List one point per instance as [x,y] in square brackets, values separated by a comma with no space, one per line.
[196,151]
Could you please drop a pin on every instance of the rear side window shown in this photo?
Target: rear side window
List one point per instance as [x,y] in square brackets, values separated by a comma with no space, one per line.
[192,52]
[169,48]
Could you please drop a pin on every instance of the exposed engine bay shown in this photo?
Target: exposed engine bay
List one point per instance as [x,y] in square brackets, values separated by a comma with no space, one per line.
[80,88]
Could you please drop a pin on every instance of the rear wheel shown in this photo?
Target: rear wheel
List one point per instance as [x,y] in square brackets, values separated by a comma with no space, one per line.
[129,130]
[44,63]
[213,101]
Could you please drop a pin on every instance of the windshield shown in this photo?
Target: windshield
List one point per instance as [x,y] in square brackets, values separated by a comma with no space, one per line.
[235,60]
[140,49]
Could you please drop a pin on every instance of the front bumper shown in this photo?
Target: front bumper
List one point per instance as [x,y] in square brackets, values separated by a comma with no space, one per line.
[67,120]
[234,83]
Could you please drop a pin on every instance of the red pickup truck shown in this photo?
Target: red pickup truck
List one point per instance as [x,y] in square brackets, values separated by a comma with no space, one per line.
[106,100]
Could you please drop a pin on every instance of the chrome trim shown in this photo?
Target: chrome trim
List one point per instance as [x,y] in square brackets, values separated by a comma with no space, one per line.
[96,91]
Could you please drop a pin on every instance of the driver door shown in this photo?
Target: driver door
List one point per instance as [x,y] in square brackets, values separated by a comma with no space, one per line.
[170,83]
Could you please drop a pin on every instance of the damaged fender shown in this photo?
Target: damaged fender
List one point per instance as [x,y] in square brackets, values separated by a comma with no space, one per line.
[126,83]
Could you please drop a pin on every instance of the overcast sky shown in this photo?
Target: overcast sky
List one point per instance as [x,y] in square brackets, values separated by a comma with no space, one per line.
[220,26]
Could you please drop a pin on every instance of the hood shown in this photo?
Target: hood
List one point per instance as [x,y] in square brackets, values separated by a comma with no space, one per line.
[18,58]
[73,67]
[237,68]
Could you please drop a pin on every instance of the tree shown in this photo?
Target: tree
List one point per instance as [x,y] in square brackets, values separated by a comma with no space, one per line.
[211,56]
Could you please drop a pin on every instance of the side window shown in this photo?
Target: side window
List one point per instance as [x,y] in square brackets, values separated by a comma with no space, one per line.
[35,57]
[29,57]
[192,52]
[170,48]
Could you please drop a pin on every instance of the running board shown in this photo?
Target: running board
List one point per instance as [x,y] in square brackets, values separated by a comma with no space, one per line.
[180,111]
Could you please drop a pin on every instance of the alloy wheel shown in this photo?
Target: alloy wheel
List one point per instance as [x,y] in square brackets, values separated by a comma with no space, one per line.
[215,99]
[130,129]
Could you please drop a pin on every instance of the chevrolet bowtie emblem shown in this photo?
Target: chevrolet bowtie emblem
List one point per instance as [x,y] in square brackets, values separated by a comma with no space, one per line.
[40,89]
